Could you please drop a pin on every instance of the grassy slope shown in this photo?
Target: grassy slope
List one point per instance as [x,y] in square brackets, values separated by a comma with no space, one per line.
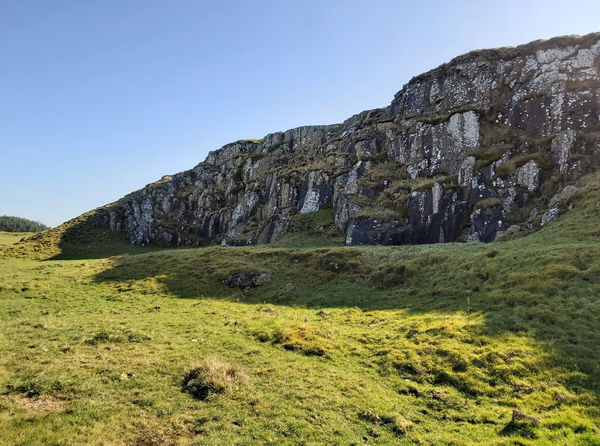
[10,238]
[428,344]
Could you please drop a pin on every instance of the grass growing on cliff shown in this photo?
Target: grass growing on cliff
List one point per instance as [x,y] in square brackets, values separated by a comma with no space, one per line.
[430,345]
[313,229]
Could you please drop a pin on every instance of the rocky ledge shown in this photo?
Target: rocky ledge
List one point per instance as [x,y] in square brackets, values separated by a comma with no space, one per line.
[482,146]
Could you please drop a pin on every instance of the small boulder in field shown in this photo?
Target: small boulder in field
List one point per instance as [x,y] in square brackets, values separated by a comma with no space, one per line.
[247,279]
[519,415]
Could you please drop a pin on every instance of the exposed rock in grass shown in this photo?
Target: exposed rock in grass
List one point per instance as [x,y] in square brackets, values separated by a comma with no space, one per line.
[247,279]
[556,202]
[519,415]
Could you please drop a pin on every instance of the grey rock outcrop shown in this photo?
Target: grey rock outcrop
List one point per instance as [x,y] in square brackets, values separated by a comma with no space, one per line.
[460,153]
[553,210]
[247,279]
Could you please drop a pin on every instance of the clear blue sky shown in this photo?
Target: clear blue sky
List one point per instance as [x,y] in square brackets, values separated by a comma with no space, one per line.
[99,98]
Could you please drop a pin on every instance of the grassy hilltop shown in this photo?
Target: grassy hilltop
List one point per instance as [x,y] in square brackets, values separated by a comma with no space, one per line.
[447,344]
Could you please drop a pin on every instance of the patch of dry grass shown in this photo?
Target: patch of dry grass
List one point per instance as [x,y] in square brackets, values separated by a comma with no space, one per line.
[38,405]
[211,376]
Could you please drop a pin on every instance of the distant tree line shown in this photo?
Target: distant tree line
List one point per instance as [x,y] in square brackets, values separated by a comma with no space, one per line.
[18,224]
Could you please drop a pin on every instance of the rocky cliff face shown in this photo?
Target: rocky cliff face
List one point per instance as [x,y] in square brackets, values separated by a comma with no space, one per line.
[479,146]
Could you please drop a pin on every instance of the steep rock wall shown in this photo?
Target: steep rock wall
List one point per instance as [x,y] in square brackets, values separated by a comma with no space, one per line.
[467,151]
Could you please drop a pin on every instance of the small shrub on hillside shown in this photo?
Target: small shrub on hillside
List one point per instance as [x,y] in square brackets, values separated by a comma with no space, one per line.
[429,259]
[391,275]
[34,386]
[383,214]
[488,155]
[508,168]
[521,424]
[398,425]
[212,376]
[302,338]
[103,337]
[338,260]
[98,338]
[136,337]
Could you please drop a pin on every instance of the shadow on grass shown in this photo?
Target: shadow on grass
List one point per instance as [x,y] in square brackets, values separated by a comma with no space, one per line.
[547,293]
[89,237]
[85,237]
[543,287]
[100,250]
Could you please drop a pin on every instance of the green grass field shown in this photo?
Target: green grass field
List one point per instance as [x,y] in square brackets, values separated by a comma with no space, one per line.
[424,345]
[10,238]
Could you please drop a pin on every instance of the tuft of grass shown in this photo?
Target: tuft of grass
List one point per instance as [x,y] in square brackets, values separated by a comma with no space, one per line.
[104,337]
[313,229]
[488,155]
[303,338]
[397,424]
[212,376]
[382,214]
[509,167]
[487,203]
